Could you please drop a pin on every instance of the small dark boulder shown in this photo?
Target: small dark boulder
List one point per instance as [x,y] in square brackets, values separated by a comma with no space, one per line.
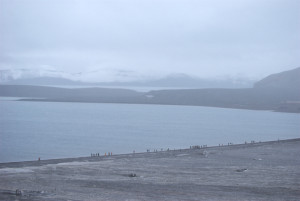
[241,170]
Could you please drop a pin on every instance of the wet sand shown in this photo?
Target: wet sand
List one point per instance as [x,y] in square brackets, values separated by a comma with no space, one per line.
[256,171]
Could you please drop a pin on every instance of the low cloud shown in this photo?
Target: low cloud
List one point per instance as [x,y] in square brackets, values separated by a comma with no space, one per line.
[127,40]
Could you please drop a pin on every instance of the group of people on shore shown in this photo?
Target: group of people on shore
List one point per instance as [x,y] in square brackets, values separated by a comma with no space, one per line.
[98,154]
[198,146]
[155,150]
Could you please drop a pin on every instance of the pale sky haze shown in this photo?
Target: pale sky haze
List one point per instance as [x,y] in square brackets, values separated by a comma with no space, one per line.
[108,40]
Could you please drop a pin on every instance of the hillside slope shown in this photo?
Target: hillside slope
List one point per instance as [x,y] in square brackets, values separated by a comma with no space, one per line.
[285,80]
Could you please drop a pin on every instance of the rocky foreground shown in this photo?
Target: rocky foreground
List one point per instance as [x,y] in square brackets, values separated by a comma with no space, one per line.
[255,171]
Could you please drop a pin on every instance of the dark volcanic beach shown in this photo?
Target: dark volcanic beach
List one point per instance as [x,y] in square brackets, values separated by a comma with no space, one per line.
[252,171]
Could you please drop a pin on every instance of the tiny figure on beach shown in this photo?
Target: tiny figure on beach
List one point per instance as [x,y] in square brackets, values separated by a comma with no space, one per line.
[39,158]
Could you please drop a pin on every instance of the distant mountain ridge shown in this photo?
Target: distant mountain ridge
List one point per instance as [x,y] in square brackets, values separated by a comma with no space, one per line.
[8,75]
[173,81]
[44,81]
[277,92]
[51,77]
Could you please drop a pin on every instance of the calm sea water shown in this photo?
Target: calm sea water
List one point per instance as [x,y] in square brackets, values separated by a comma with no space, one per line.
[29,130]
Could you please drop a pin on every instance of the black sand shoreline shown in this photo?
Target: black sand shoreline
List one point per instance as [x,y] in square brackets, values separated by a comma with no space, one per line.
[97,158]
[253,171]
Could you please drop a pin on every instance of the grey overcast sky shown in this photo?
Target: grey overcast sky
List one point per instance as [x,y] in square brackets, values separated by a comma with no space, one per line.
[104,40]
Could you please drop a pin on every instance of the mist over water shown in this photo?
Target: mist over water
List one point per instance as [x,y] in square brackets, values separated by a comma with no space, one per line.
[56,130]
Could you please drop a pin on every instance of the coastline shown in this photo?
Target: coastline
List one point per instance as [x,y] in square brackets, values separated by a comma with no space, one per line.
[253,171]
[275,99]
[97,158]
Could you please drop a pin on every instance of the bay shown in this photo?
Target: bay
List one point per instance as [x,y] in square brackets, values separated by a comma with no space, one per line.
[29,130]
